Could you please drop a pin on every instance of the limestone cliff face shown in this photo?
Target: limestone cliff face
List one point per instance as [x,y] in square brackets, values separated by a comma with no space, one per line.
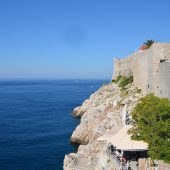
[99,114]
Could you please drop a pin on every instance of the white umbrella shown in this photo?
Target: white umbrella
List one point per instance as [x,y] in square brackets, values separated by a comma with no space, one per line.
[107,136]
[120,138]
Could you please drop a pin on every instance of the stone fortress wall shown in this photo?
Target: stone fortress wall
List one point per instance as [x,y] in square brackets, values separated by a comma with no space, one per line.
[150,69]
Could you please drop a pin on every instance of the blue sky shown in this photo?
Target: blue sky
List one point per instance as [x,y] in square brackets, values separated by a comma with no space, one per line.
[75,38]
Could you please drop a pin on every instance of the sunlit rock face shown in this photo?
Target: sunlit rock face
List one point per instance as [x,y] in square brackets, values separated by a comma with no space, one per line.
[99,114]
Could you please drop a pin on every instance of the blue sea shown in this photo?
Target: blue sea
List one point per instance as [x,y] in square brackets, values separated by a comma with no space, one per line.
[36,122]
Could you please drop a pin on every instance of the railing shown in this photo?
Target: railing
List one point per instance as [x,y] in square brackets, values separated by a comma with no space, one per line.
[117,163]
[114,159]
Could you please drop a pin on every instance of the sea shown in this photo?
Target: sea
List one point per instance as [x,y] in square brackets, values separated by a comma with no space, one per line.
[36,122]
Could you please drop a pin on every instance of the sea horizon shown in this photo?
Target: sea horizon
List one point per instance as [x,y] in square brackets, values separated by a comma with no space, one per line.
[53,79]
[37,123]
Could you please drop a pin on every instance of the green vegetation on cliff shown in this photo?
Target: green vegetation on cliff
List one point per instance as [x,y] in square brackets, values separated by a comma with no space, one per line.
[152,124]
[123,81]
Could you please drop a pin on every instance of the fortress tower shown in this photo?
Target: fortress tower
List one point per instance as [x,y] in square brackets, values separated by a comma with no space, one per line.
[150,69]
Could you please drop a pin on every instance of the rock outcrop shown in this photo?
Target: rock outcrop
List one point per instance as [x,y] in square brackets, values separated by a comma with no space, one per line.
[99,114]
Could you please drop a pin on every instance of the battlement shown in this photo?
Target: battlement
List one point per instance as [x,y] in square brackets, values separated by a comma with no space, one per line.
[150,69]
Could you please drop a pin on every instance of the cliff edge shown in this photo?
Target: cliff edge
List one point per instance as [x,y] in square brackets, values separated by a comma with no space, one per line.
[99,114]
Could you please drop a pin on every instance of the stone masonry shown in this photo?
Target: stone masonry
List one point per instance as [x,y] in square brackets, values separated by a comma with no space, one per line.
[150,69]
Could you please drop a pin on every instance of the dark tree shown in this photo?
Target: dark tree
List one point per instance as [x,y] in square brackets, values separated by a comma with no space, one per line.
[151,119]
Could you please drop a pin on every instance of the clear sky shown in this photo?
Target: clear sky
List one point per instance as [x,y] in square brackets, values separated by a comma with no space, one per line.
[75,38]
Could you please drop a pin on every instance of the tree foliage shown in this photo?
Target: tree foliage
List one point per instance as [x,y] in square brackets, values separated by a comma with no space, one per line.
[149,43]
[151,119]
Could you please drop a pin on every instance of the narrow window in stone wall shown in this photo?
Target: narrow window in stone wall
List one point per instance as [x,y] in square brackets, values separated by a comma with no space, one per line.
[148,86]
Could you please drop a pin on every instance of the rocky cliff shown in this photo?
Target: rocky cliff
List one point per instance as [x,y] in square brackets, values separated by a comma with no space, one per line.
[99,114]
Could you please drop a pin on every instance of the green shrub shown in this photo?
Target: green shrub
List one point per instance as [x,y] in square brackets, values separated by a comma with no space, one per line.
[138,90]
[113,81]
[118,79]
[151,119]
[124,81]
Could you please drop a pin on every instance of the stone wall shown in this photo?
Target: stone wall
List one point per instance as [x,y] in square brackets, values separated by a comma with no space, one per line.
[164,80]
[163,166]
[147,69]
[142,70]
[161,51]
[123,67]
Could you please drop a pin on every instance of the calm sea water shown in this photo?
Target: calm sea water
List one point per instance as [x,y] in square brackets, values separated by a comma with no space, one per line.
[36,122]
